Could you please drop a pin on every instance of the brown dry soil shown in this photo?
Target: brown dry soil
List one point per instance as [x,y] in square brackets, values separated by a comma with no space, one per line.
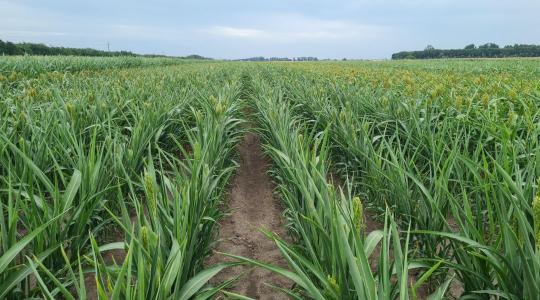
[251,206]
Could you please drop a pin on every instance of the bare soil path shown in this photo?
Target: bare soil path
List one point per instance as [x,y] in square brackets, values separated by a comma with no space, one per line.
[251,206]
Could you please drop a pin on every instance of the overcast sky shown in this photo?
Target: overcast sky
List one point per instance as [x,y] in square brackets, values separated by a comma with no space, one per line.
[241,28]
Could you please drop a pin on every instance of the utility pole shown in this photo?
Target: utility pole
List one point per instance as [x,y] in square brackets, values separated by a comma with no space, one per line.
[108,47]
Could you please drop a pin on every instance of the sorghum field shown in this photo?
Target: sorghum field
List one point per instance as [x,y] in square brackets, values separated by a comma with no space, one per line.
[123,178]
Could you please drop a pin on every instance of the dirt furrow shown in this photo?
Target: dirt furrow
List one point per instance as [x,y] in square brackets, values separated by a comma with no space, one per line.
[251,206]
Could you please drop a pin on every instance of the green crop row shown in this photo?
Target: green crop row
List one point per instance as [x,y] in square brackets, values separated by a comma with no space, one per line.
[110,182]
[15,67]
[463,178]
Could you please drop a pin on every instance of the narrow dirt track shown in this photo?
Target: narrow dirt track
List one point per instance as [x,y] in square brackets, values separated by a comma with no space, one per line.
[251,206]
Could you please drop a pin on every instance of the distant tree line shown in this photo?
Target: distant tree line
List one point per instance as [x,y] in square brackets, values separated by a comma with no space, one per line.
[261,58]
[472,51]
[9,48]
[195,56]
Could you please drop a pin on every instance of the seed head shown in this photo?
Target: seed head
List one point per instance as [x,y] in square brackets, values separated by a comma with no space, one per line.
[150,193]
[358,213]
[144,237]
[511,117]
[512,95]
[31,93]
[71,110]
[197,151]
[536,219]
[459,102]
[13,76]
[333,283]
[485,100]
[219,108]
